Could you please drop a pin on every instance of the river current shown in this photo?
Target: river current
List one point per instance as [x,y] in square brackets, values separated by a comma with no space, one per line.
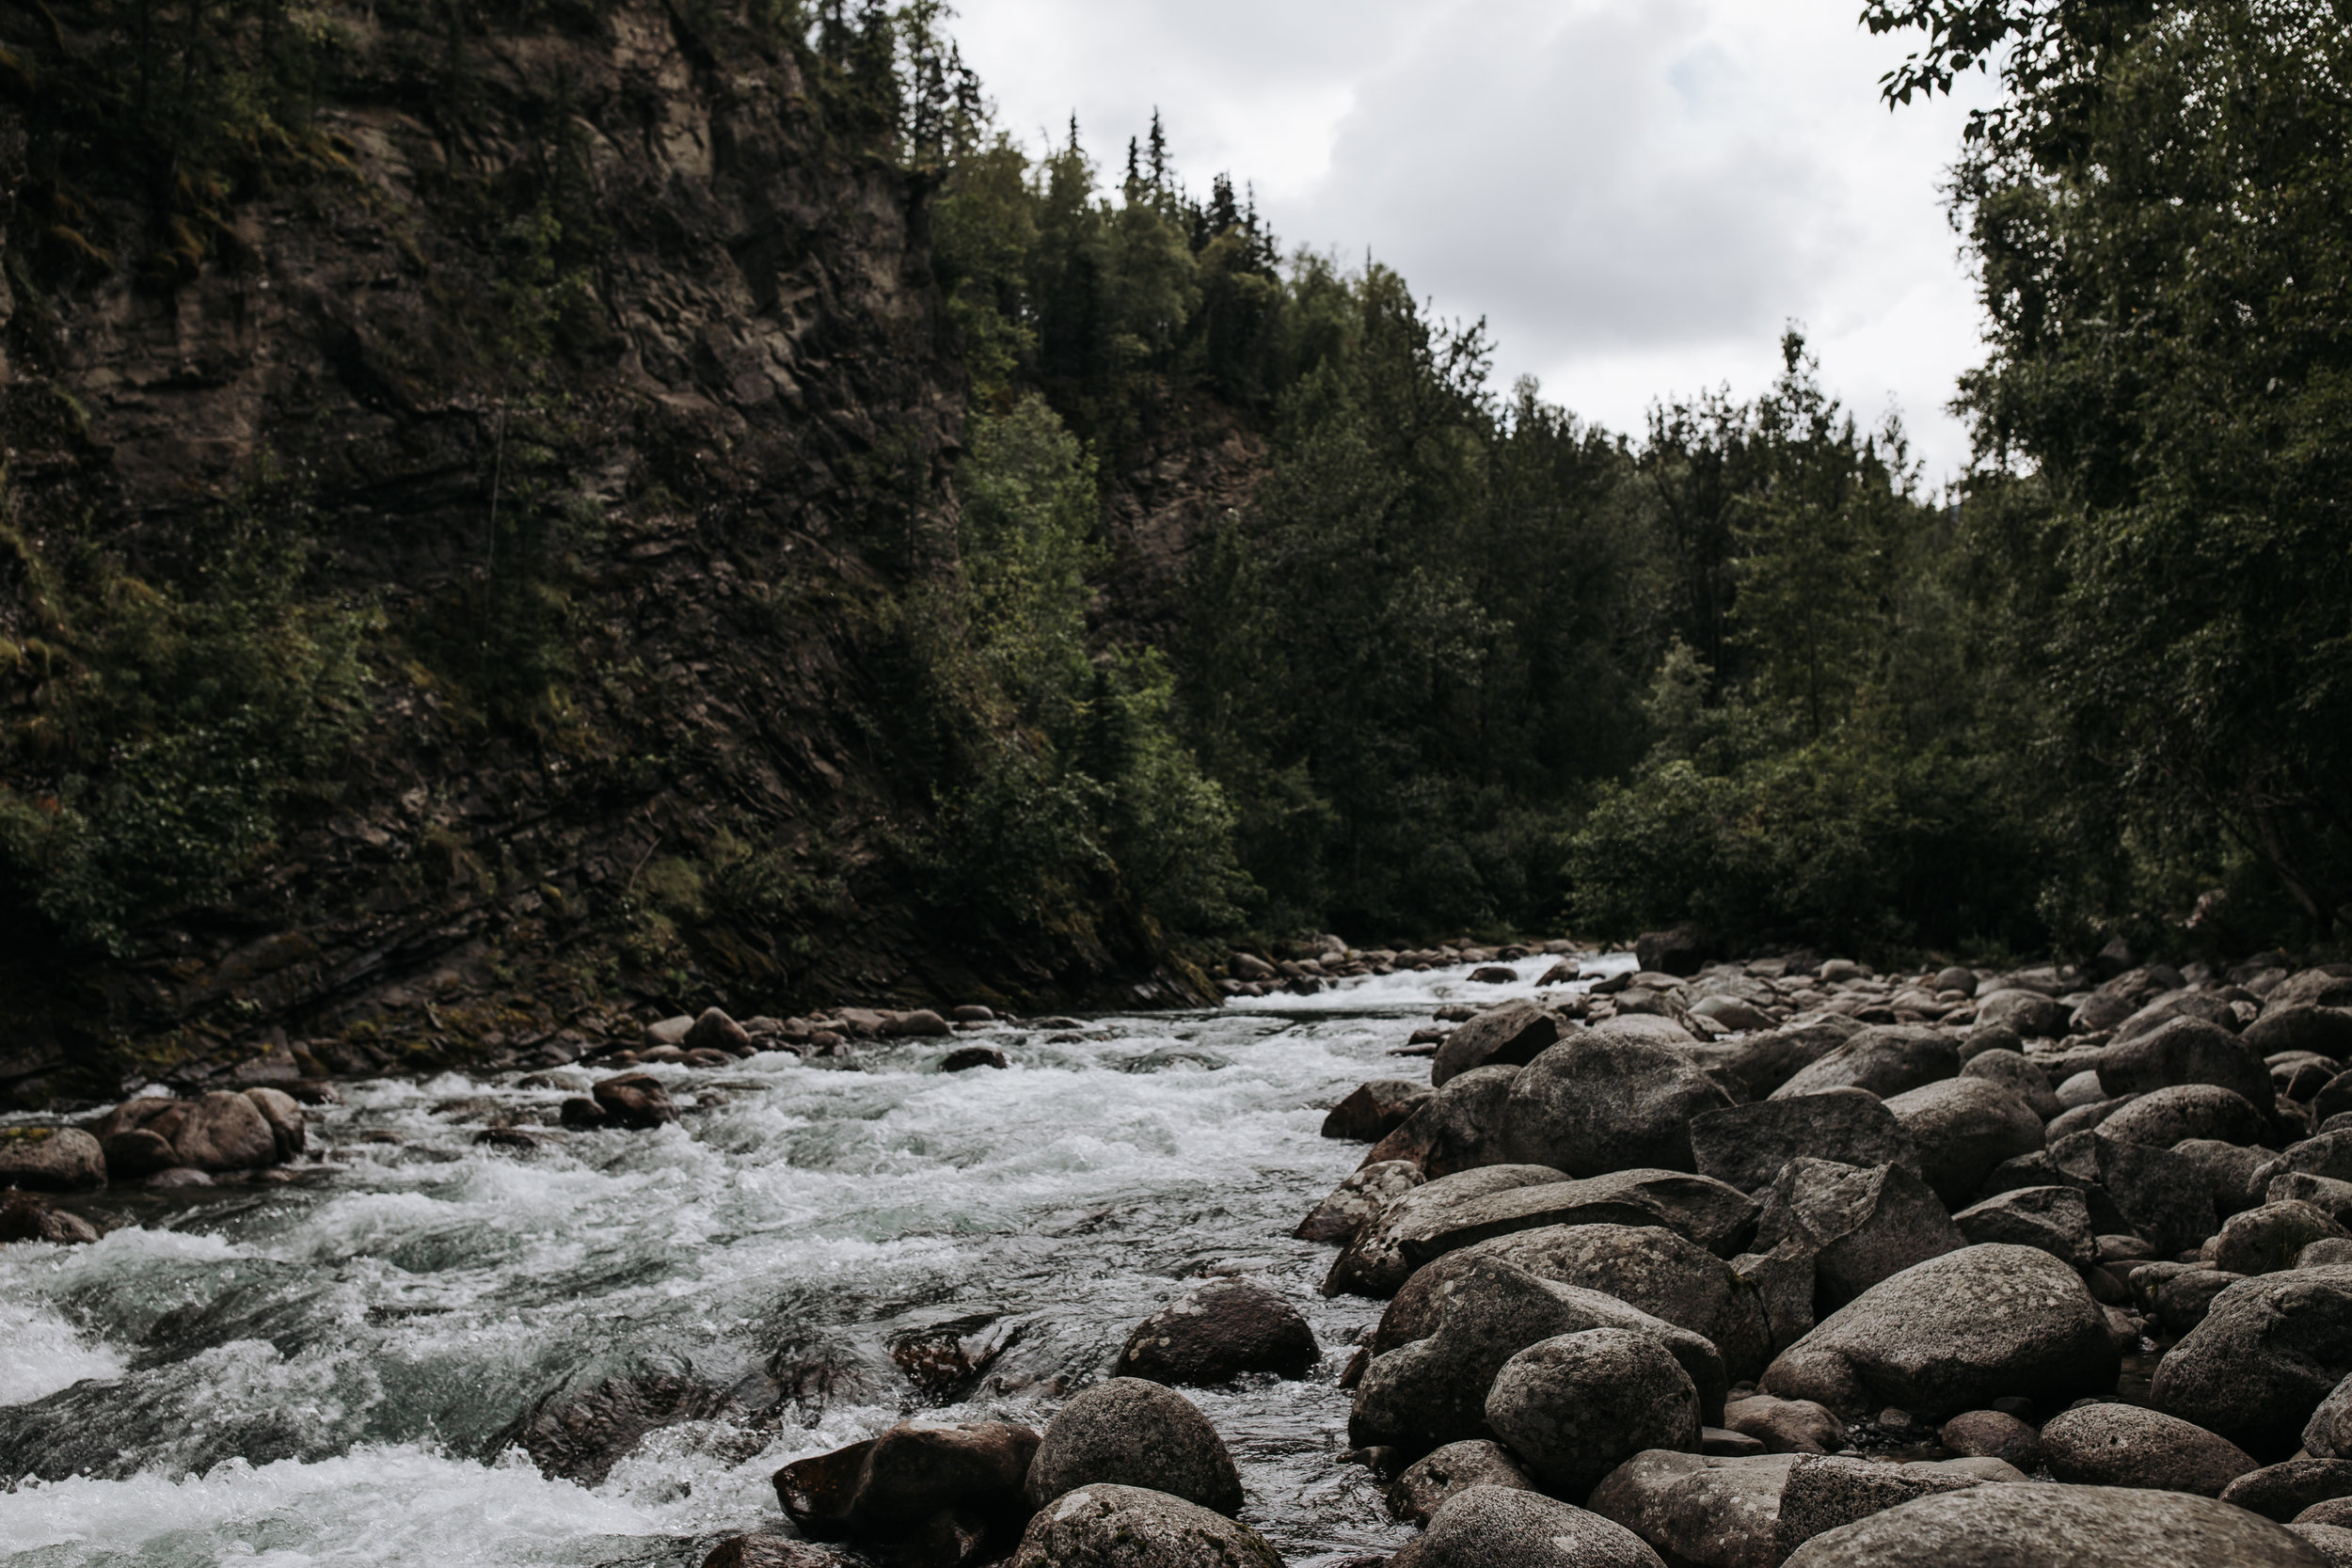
[335,1369]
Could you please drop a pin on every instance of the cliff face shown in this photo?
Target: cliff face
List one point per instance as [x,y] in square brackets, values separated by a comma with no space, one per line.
[597,358]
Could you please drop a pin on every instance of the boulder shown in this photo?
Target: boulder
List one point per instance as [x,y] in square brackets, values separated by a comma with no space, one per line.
[1953,977]
[1216,1331]
[1886,1061]
[1964,1126]
[284,1115]
[970,1057]
[2202,1006]
[1500,1526]
[2120,998]
[51,1159]
[636,1100]
[221,1130]
[2081,1089]
[1433,1391]
[2055,1219]
[1857,1227]
[2017,1073]
[2269,1350]
[2230,1172]
[1703,1509]
[2332,1542]
[136,1152]
[1361,1197]
[1110,1526]
[1373,1111]
[1597,1103]
[2178,1295]
[1955,1332]
[1374,1263]
[1649,1017]
[771,1551]
[2030,1013]
[1127,1432]
[919,1023]
[2327,1154]
[1786,1426]
[1512,1035]
[2329,985]
[24,1217]
[2037,1525]
[2324,1193]
[2268,1239]
[2329,1433]
[1732,1013]
[2123,1445]
[1993,1434]
[2322,1031]
[917,1469]
[1825,1492]
[2162,1118]
[1755,1066]
[2284,1491]
[1576,1406]
[715,1031]
[1426,1483]
[1458,1128]
[1746,1146]
[1679,950]
[2185,1051]
[2161,1195]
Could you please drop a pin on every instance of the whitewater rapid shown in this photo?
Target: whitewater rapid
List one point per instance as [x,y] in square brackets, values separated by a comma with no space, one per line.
[334,1370]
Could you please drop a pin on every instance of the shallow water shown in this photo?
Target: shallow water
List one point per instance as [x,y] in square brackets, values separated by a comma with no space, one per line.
[335,1372]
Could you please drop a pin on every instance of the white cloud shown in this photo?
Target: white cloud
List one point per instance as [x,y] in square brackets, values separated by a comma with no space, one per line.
[1636,194]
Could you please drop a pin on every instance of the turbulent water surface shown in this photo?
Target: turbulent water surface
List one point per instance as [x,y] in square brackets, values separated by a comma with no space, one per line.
[337,1369]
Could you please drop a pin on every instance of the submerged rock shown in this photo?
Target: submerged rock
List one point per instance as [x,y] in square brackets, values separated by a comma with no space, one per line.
[1216,1333]
[581,1437]
[635,1100]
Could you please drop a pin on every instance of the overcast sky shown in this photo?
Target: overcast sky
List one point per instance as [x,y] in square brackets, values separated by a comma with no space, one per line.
[1635,194]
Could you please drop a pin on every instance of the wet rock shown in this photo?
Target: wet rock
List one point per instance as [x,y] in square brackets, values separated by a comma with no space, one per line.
[1576,1406]
[1176,1059]
[1716,1512]
[177,1178]
[2269,1350]
[51,1159]
[1746,1146]
[1433,1391]
[635,1100]
[966,1059]
[284,1115]
[2185,1051]
[919,1470]
[715,1031]
[1493,975]
[1826,1493]
[1887,1060]
[1752,1068]
[223,1131]
[2123,1445]
[2055,1219]
[1373,1111]
[921,1024]
[1216,1333]
[2282,1492]
[1497,1527]
[817,1492]
[771,1551]
[971,1012]
[1512,1035]
[2161,1195]
[1359,1199]
[2037,1525]
[2266,1240]
[1128,1432]
[1955,1332]
[1786,1426]
[2162,1118]
[1964,1126]
[1597,1103]
[583,1115]
[1459,1128]
[1425,1484]
[1993,1434]
[1374,1263]
[24,1217]
[1858,1227]
[581,1438]
[136,1153]
[1109,1526]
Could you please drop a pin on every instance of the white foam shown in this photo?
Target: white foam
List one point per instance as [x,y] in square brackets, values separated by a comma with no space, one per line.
[40,1352]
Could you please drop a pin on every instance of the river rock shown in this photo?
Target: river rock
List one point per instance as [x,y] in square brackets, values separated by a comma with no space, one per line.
[1433,1391]
[2284,1491]
[2230,1170]
[1825,1492]
[2161,1195]
[715,1031]
[968,1058]
[1500,1526]
[635,1100]
[2017,1073]
[2327,1154]
[1887,1061]
[1681,951]
[1955,1332]
[2029,1012]
[581,1437]
[2329,985]
[223,1131]
[1746,1146]
[2324,1193]
[136,1152]
[1125,1432]
[1512,1035]
[2185,1051]
[1786,1426]
[2162,1118]
[2055,1219]
[1373,1111]
[1964,1126]
[1576,1406]
[2178,1295]
[771,1551]
[2334,1511]
[2268,1239]
[1993,1434]
[1732,1012]
[1753,1067]
[2270,1349]
[2202,1006]
[1597,1103]
[1109,1526]
[1375,1265]
[1701,1509]
[917,1469]
[2322,1031]
[2032,1525]
[51,1159]
[24,1217]
[1361,1197]
[1216,1331]
[2332,1542]
[2120,998]
[1426,1483]
[2123,1445]
[2329,1433]
[1858,1227]
[284,1115]
[1458,1128]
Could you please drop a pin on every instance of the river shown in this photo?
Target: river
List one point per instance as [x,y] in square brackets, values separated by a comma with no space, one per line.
[332,1370]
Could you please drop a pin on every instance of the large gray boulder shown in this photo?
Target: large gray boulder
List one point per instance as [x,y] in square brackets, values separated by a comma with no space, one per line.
[1857,1227]
[2322,1031]
[1216,1331]
[1433,1391]
[2123,1445]
[1428,1481]
[1512,1035]
[1596,1103]
[2163,1196]
[1576,1406]
[1373,1111]
[2162,1118]
[1825,1492]
[2055,1219]
[2272,1237]
[1360,1198]
[51,1159]
[2035,1525]
[1710,1510]
[1746,1146]
[1373,1261]
[2185,1051]
[1105,1526]
[2269,1350]
[2230,1170]
[1127,1432]
[1886,1060]
[1498,1526]
[1964,1126]
[1756,1065]
[2019,1073]
[1458,1128]
[1956,1333]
